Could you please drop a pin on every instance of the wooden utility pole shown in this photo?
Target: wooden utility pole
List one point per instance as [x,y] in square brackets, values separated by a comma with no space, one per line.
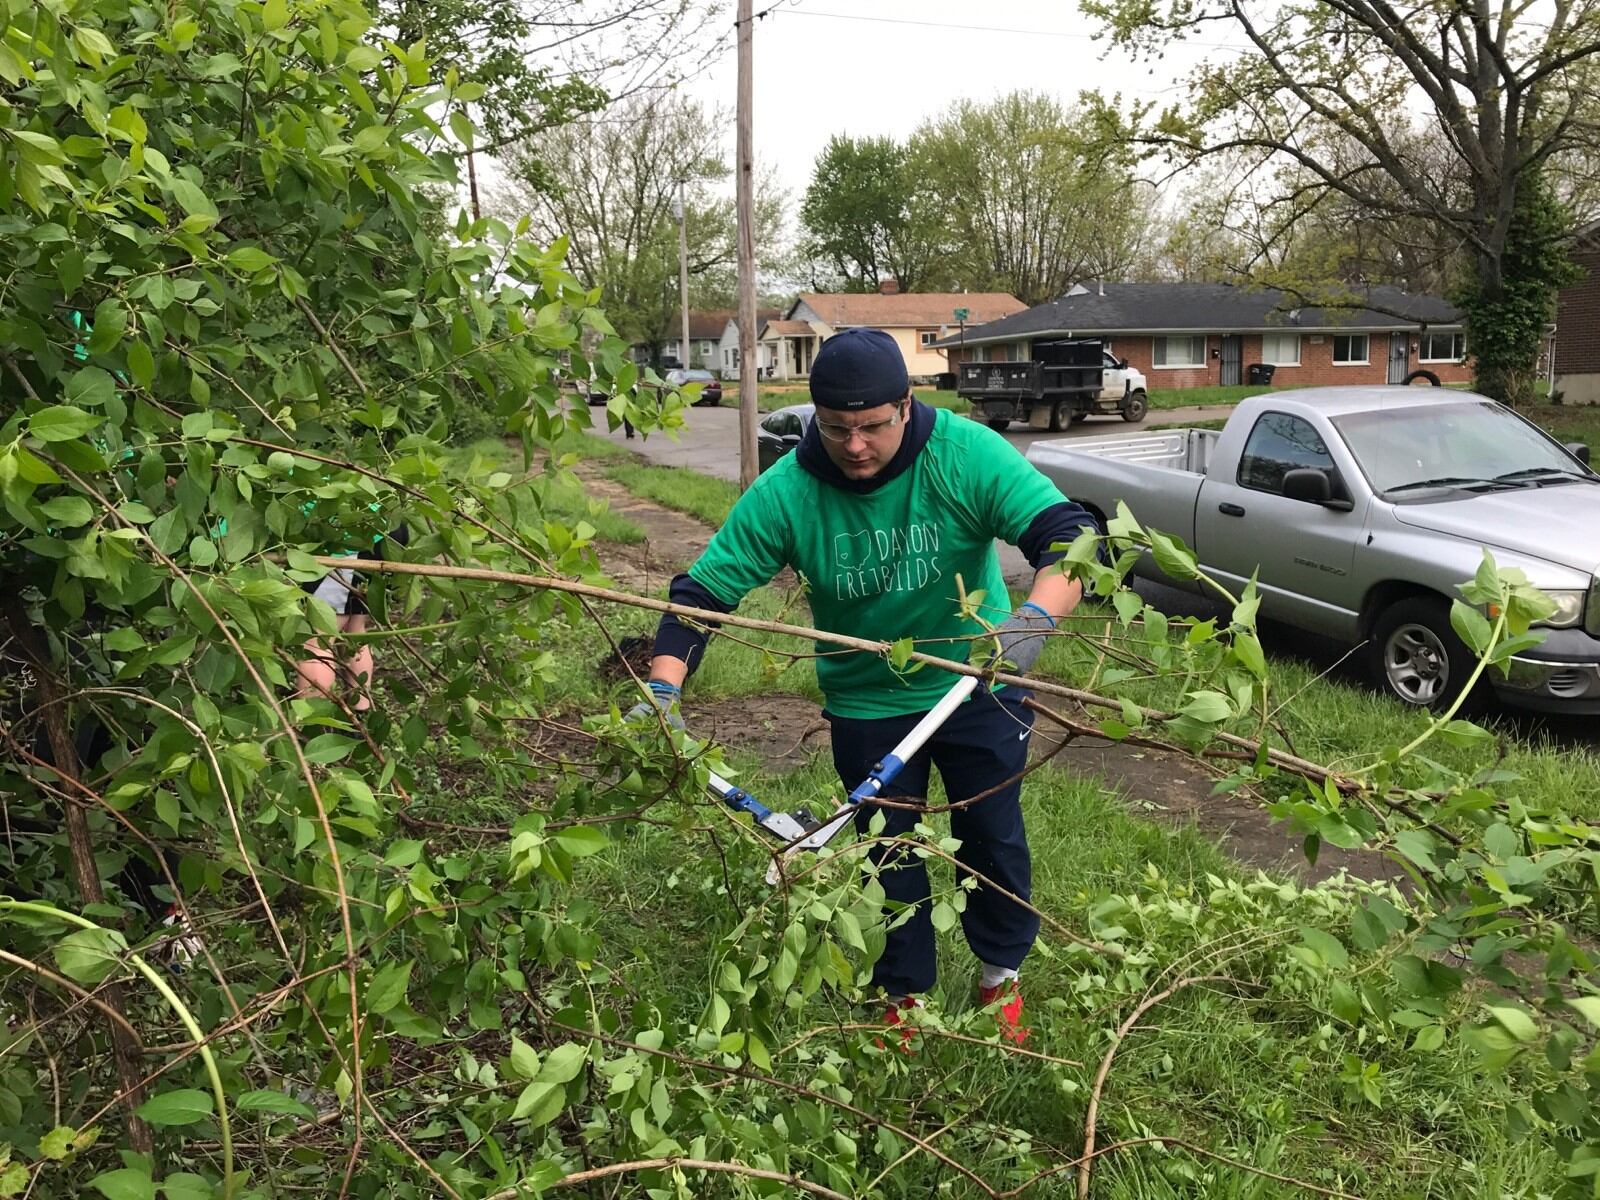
[684,357]
[749,362]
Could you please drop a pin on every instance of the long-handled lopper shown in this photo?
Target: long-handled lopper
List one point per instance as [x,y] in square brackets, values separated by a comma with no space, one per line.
[800,830]
[786,827]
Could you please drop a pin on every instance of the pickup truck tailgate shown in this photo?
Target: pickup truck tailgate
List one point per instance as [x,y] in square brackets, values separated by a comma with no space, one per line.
[1158,475]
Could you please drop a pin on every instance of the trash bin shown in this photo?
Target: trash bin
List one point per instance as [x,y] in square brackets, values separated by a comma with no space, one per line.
[1261,373]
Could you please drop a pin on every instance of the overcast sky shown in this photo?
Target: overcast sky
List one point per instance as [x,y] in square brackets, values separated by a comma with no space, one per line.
[870,67]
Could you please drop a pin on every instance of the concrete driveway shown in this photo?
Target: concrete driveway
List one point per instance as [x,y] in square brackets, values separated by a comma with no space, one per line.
[709,443]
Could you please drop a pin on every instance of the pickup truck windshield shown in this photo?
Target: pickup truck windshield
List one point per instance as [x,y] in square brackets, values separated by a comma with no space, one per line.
[1439,445]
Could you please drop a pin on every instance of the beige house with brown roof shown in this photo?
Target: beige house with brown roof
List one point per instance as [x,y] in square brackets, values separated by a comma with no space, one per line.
[915,320]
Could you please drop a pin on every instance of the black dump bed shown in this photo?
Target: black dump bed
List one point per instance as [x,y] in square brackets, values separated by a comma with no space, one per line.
[999,379]
[1062,365]
[1082,352]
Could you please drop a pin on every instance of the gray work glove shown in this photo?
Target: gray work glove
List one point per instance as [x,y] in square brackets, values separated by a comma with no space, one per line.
[663,698]
[1022,638]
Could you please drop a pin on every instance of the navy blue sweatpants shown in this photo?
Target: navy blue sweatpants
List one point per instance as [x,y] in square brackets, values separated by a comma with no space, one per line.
[981,746]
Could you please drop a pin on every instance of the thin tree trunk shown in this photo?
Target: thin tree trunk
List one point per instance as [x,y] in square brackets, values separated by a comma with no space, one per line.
[64,756]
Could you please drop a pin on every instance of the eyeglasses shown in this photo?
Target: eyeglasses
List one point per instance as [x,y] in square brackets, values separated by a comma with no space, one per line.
[843,433]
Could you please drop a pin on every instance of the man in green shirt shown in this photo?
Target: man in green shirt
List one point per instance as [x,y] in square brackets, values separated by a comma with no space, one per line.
[884,505]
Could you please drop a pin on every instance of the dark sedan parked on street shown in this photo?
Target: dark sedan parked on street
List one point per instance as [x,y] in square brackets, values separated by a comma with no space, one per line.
[780,432]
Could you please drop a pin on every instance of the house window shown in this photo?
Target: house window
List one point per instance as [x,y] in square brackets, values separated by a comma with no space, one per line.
[1281,349]
[979,354]
[1349,349]
[733,358]
[927,337]
[1180,351]
[1444,347]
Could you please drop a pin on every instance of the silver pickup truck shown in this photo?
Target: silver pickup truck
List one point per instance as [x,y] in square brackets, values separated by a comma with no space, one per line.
[1363,508]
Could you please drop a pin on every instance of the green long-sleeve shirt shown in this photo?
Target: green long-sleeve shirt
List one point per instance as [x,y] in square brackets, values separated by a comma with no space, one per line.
[884,564]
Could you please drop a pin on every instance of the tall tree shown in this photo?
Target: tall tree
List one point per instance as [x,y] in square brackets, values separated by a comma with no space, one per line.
[607,183]
[1038,197]
[1242,220]
[1325,86]
[487,43]
[545,62]
[868,214]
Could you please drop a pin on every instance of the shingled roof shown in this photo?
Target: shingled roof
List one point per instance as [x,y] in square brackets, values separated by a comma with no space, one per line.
[788,329]
[845,309]
[1206,308]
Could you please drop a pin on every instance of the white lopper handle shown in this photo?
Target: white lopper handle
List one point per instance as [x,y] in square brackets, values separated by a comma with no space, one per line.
[903,752]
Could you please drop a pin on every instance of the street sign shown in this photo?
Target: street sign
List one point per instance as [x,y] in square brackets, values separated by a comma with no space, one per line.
[961,314]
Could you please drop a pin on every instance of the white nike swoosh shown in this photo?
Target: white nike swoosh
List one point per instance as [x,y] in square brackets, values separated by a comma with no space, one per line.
[1023,736]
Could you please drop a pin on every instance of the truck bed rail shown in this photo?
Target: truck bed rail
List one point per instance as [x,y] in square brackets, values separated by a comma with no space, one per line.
[1174,449]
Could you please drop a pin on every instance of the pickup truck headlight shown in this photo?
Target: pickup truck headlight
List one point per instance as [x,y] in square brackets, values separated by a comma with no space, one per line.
[1569,609]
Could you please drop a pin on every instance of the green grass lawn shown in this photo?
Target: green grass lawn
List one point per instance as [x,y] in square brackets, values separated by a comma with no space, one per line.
[1213,423]
[1576,423]
[687,491]
[1191,397]
[1325,713]
[1265,1080]
[591,446]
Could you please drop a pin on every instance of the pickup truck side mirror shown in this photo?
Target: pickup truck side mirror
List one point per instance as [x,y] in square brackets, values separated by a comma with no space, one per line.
[1579,451]
[1312,486]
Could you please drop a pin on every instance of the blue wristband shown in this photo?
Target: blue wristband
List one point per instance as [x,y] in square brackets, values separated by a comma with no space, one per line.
[1037,609]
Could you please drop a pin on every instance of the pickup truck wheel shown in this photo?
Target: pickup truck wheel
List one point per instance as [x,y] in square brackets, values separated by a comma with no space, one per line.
[1135,407]
[1416,657]
[1060,415]
[998,424]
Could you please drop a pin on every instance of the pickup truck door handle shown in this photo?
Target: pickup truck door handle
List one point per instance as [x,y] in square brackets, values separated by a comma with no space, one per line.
[1231,510]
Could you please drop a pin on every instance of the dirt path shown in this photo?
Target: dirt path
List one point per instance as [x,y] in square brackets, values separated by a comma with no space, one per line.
[672,540]
[784,730]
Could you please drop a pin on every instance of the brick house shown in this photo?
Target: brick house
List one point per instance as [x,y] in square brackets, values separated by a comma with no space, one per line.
[1185,335]
[916,321]
[1577,351]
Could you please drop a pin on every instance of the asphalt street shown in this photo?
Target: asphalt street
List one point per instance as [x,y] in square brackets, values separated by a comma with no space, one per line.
[709,443]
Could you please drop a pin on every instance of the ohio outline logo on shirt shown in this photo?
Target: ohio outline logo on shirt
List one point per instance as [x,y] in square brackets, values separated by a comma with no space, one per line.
[871,562]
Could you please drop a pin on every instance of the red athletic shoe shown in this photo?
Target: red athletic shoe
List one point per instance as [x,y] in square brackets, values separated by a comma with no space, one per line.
[892,1009]
[1009,1015]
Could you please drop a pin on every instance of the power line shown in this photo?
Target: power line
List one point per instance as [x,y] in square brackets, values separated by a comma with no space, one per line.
[1055,33]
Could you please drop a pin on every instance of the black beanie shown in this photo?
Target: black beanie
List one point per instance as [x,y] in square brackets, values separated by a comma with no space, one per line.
[858,368]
